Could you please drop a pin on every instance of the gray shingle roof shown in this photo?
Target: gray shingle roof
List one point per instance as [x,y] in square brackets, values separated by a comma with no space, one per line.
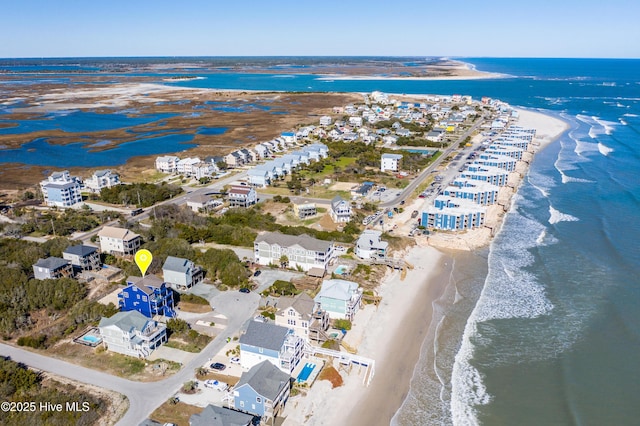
[176,264]
[303,241]
[266,379]
[125,321]
[219,416]
[264,335]
[80,250]
[52,263]
[302,303]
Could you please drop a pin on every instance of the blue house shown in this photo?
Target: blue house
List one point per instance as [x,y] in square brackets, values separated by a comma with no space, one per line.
[262,391]
[453,214]
[149,295]
[269,342]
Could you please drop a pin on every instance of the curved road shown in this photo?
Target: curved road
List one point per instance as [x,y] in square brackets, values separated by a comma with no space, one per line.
[144,397]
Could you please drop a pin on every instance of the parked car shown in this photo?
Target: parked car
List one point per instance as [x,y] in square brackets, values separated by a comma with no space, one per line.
[244,290]
[235,360]
[414,214]
[215,384]
[218,366]
[257,273]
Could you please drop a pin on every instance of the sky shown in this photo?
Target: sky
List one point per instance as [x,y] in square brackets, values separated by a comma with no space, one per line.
[463,28]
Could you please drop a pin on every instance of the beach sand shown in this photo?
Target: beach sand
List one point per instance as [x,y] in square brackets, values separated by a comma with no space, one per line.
[393,335]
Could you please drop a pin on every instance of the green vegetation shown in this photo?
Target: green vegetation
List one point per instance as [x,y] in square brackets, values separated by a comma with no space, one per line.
[182,337]
[140,194]
[281,288]
[223,264]
[19,384]
[65,222]
[192,298]
[342,324]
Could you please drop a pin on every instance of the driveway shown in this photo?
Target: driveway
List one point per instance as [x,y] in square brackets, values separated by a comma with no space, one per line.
[268,276]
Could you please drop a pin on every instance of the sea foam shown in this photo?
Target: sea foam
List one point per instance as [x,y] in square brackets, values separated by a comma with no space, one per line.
[557,216]
[604,150]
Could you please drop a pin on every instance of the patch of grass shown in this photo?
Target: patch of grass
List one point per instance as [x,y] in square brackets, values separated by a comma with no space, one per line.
[175,413]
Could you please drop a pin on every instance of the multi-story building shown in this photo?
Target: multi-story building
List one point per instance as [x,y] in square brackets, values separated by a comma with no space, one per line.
[296,251]
[181,273]
[82,257]
[391,162]
[131,333]
[52,268]
[453,214]
[167,164]
[269,342]
[340,210]
[102,179]
[304,316]
[262,391]
[339,298]
[61,190]
[370,246]
[148,295]
[242,196]
[305,210]
[119,241]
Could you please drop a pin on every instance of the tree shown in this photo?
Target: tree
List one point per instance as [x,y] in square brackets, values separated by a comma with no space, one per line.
[284,261]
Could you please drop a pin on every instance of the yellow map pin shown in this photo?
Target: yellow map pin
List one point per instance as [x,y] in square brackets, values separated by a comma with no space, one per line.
[143,260]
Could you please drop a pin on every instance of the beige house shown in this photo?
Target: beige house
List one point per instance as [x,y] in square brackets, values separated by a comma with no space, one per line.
[303,316]
[119,241]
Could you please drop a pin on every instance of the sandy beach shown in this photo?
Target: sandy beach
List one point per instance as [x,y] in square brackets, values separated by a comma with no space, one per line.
[396,330]
[392,334]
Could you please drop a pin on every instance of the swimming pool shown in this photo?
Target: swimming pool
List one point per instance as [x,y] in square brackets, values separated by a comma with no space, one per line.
[306,372]
[90,339]
[341,270]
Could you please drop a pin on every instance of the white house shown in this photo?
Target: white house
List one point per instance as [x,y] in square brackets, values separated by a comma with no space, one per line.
[181,273]
[289,138]
[355,121]
[325,120]
[61,190]
[341,299]
[340,210]
[370,246]
[167,164]
[102,179]
[259,177]
[299,250]
[302,315]
[391,162]
[118,241]
[131,333]
[242,196]
[203,203]
[185,166]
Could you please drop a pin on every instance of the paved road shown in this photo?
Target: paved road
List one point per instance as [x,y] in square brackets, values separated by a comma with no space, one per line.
[422,176]
[146,397]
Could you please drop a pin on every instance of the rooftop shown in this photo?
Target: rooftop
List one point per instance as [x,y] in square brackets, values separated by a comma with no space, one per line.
[264,335]
[266,379]
[303,240]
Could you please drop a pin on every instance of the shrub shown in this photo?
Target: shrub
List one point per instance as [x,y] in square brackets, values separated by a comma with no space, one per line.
[36,342]
[342,324]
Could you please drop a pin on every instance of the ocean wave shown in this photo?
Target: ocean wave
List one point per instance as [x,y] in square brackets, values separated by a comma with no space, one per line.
[630,115]
[604,150]
[510,291]
[557,216]
[571,179]
[583,147]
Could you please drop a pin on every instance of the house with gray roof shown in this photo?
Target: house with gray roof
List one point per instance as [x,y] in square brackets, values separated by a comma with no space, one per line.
[340,210]
[262,391]
[340,298]
[180,273]
[213,415]
[52,268]
[269,342]
[370,246]
[102,179]
[304,316]
[293,251]
[131,333]
[82,257]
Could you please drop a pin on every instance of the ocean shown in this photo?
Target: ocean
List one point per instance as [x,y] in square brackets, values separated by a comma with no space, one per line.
[542,327]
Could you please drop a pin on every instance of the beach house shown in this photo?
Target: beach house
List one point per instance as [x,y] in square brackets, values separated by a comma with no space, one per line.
[482,193]
[119,241]
[242,196]
[341,299]
[305,210]
[340,210]
[370,246]
[325,120]
[180,273]
[186,166]
[212,415]
[167,164]
[102,179]
[304,316]
[259,177]
[269,342]
[202,203]
[131,333]
[289,138]
[262,391]
[82,257]
[391,162]
[52,268]
[293,251]
[149,295]
[61,190]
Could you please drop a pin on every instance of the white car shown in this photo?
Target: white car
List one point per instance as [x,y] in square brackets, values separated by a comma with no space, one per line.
[215,384]
[235,360]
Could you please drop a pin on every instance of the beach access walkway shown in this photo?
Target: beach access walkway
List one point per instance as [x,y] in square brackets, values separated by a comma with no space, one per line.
[346,359]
